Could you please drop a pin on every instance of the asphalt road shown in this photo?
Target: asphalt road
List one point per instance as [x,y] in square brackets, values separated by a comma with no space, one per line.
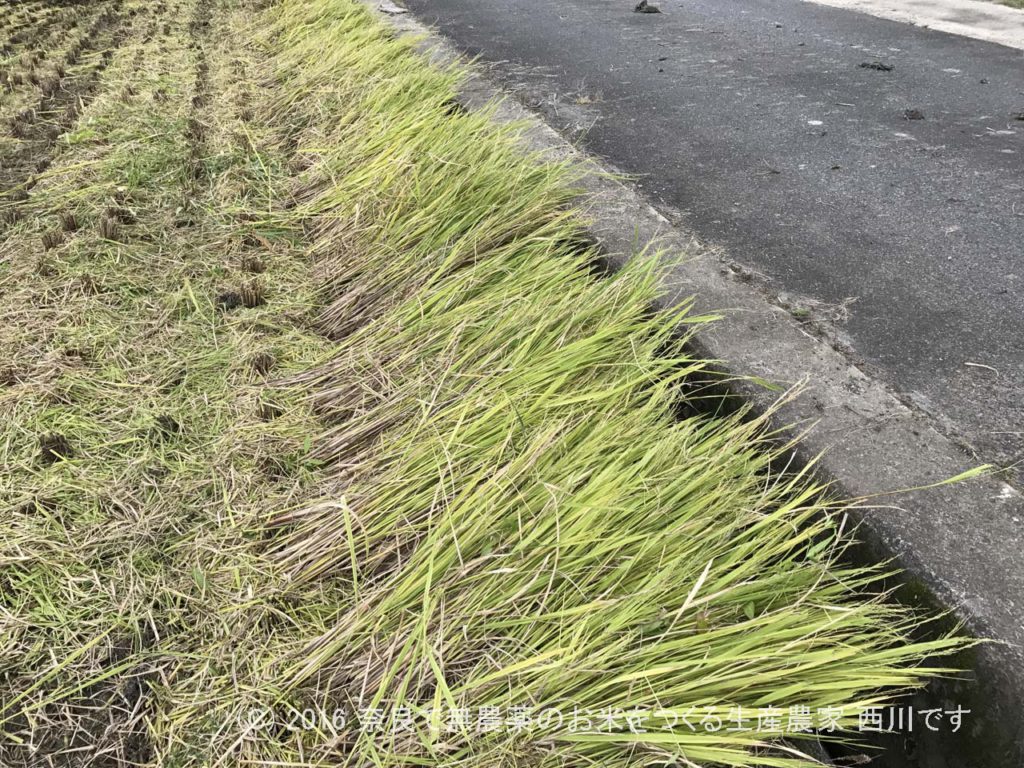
[755,121]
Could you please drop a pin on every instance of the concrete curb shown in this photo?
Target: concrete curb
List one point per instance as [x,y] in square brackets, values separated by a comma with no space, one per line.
[869,441]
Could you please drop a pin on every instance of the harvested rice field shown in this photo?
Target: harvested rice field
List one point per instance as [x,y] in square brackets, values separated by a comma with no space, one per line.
[324,443]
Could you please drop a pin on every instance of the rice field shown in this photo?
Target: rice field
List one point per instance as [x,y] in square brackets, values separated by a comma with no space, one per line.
[325,443]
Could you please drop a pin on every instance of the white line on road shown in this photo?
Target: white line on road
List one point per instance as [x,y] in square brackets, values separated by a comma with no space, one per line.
[969,18]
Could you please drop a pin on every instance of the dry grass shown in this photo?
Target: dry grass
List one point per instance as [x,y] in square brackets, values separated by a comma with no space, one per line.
[136,455]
